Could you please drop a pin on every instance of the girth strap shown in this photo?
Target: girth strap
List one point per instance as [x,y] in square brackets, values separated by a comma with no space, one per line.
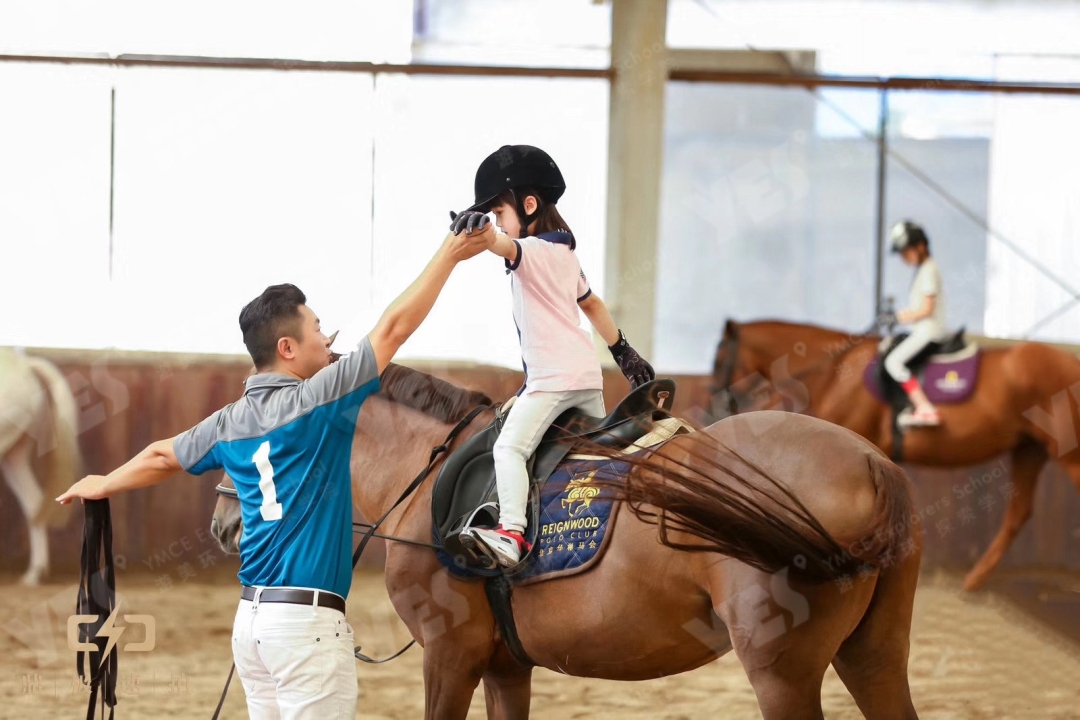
[499,593]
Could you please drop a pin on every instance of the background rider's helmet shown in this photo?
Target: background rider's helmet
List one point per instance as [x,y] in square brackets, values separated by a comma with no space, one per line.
[516,166]
[907,234]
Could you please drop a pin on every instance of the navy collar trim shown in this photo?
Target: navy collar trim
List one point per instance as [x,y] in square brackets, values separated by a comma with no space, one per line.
[559,237]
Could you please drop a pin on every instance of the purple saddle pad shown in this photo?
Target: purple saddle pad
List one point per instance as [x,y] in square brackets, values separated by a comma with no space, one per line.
[945,379]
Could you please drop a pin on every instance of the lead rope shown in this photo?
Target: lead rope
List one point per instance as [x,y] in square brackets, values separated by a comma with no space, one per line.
[97,598]
[417,481]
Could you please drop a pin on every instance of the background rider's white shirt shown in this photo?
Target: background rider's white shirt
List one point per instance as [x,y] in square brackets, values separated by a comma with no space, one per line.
[927,283]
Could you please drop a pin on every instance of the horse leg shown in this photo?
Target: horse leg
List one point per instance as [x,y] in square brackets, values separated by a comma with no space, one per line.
[450,678]
[508,694]
[872,661]
[1028,459]
[785,639]
[788,687]
[27,491]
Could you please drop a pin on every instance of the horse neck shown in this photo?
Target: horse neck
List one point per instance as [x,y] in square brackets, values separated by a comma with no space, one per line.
[803,353]
[391,446]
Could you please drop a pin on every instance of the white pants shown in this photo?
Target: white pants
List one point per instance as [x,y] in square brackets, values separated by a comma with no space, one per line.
[530,416]
[912,345]
[295,661]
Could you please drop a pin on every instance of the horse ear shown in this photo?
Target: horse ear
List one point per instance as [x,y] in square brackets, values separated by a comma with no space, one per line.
[731,330]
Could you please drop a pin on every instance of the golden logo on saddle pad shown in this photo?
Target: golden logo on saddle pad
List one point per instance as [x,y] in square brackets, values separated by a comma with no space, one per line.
[952,382]
[579,490]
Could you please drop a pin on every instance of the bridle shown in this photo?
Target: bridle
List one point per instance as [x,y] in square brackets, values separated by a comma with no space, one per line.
[370,532]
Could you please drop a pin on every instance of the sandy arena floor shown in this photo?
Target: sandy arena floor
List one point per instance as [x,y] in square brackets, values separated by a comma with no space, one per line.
[972,657]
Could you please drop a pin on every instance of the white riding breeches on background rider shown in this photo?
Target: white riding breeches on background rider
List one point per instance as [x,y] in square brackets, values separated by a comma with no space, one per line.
[528,420]
[912,345]
[295,661]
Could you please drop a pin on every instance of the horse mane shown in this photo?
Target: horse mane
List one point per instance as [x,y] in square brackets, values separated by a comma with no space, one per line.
[440,399]
[833,333]
[836,343]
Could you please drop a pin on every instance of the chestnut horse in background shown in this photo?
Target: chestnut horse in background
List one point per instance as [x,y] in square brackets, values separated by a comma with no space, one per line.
[784,538]
[1024,404]
[39,451]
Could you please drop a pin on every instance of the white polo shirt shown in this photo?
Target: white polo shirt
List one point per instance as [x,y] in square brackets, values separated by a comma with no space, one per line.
[928,283]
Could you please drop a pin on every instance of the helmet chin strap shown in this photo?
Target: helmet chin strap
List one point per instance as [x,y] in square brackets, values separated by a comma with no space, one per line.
[524,218]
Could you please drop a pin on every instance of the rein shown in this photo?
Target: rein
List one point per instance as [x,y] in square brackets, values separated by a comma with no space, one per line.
[372,527]
[230,492]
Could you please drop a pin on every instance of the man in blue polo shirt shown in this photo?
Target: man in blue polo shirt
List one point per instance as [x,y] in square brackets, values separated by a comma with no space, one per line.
[286,444]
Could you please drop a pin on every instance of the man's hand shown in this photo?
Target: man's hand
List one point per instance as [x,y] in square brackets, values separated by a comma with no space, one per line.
[464,246]
[91,487]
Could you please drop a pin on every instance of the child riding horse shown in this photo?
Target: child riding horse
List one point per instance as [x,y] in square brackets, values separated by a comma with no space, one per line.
[520,185]
[926,315]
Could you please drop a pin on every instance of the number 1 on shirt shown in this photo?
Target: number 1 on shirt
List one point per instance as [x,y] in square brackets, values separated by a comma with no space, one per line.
[271,508]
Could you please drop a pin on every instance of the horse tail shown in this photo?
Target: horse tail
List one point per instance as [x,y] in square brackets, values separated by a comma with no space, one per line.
[58,445]
[738,510]
[890,535]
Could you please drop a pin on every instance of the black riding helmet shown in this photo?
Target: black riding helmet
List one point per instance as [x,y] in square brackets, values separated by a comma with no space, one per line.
[907,234]
[517,166]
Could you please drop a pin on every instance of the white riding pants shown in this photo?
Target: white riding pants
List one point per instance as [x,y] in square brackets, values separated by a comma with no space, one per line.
[296,662]
[528,420]
[912,345]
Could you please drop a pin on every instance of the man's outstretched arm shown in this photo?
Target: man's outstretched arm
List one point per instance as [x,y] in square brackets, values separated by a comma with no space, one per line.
[154,464]
[405,314]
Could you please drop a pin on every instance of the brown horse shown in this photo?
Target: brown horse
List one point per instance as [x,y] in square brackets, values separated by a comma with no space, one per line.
[1024,404]
[792,510]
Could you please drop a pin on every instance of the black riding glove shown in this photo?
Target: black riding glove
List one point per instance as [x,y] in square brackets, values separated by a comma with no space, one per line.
[468,221]
[633,366]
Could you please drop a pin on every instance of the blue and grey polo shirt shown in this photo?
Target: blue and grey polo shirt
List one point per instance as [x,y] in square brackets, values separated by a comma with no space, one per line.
[286,444]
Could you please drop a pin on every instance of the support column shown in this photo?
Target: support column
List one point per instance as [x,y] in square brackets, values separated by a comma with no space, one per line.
[880,200]
[635,162]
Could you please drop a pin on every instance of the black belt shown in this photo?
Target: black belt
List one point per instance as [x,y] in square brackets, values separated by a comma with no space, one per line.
[295,596]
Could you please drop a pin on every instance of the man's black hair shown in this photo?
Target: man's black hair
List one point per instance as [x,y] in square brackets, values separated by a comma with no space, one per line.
[269,317]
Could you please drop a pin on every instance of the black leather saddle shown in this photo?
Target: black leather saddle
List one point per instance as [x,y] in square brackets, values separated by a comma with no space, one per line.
[890,388]
[464,494]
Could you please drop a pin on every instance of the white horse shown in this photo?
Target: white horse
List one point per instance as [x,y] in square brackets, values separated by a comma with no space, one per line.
[38,439]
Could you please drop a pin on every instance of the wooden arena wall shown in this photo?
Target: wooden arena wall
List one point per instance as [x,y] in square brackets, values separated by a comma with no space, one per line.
[126,400]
